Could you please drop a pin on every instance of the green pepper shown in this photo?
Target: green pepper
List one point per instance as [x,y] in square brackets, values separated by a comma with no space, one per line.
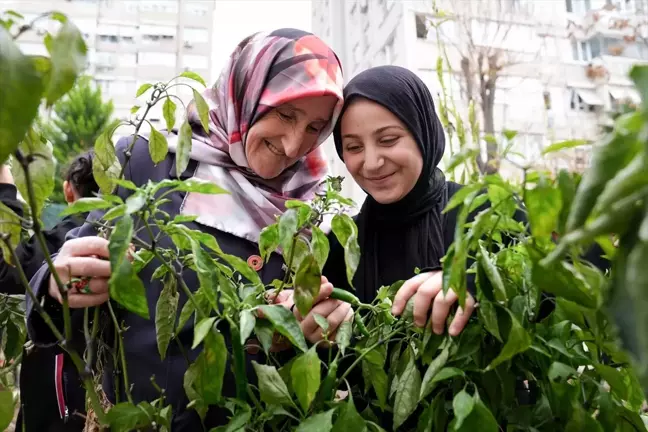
[360,325]
[608,159]
[327,389]
[345,296]
[629,179]
[615,220]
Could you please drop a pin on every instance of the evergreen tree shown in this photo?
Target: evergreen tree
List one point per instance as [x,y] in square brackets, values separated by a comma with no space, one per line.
[76,122]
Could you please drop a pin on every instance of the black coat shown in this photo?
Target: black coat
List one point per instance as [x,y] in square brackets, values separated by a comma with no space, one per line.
[140,344]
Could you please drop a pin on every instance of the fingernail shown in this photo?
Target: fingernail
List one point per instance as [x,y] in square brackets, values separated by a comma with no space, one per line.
[438,331]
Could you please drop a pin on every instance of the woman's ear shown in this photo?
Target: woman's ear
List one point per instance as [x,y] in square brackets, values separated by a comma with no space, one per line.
[68,192]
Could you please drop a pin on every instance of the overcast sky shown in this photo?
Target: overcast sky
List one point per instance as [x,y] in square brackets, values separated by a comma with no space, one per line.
[236,19]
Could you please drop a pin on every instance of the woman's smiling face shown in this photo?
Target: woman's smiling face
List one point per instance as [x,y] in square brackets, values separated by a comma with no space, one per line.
[379,151]
[286,133]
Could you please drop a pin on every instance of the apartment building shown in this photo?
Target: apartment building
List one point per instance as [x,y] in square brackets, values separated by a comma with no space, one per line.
[131,42]
[571,57]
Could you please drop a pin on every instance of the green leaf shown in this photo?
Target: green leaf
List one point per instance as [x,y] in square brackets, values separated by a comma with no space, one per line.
[518,341]
[287,229]
[194,76]
[562,280]
[135,202]
[582,420]
[201,330]
[321,322]
[480,419]
[409,386]
[320,246]
[562,145]
[428,379]
[462,405]
[347,234]
[373,365]
[459,196]
[306,376]
[247,322]
[639,75]
[158,146]
[9,224]
[543,204]
[68,56]
[268,241]
[492,273]
[307,284]
[134,109]
[142,89]
[6,405]
[615,379]
[20,93]
[488,317]
[183,152]
[349,419]
[272,388]
[203,380]
[322,422]
[264,333]
[41,169]
[203,110]
[243,268]
[343,336]
[168,111]
[201,186]
[126,287]
[560,370]
[105,165]
[125,417]
[285,323]
[464,155]
[165,315]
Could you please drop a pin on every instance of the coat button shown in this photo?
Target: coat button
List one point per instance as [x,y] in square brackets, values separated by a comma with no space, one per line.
[255,262]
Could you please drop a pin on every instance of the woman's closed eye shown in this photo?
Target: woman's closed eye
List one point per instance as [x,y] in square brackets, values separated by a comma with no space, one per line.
[287,117]
[389,140]
[315,128]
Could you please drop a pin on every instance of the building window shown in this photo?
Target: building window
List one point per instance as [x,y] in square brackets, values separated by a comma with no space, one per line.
[160,6]
[421,26]
[585,100]
[153,34]
[578,6]
[586,50]
[156,59]
[197,8]
[193,62]
[195,35]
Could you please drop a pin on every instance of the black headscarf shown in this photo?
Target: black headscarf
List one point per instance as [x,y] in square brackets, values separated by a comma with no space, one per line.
[399,237]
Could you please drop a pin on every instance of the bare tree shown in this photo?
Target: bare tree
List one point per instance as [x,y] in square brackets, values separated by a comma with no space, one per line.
[486,34]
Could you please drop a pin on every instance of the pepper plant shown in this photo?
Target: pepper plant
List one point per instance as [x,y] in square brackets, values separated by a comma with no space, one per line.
[540,354]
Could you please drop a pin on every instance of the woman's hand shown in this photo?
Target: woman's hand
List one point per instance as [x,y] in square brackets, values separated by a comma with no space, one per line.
[335,312]
[79,258]
[427,287]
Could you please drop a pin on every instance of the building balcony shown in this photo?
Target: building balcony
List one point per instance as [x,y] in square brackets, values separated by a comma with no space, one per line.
[122,47]
[159,46]
[196,48]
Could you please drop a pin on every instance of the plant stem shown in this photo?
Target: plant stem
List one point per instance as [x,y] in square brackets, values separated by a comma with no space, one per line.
[238,352]
[289,269]
[366,351]
[24,163]
[122,354]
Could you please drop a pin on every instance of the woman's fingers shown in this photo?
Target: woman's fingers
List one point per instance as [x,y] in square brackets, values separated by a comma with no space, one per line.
[85,246]
[325,291]
[441,309]
[406,291]
[335,318]
[87,300]
[462,316]
[324,308]
[426,293]
[69,266]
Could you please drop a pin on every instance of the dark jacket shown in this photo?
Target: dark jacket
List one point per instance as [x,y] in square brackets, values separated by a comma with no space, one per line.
[140,344]
[40,409]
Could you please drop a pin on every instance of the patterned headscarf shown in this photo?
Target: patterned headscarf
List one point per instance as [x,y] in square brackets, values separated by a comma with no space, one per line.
[265,71]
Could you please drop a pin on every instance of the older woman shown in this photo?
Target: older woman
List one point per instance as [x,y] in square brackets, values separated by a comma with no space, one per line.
[273,105]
